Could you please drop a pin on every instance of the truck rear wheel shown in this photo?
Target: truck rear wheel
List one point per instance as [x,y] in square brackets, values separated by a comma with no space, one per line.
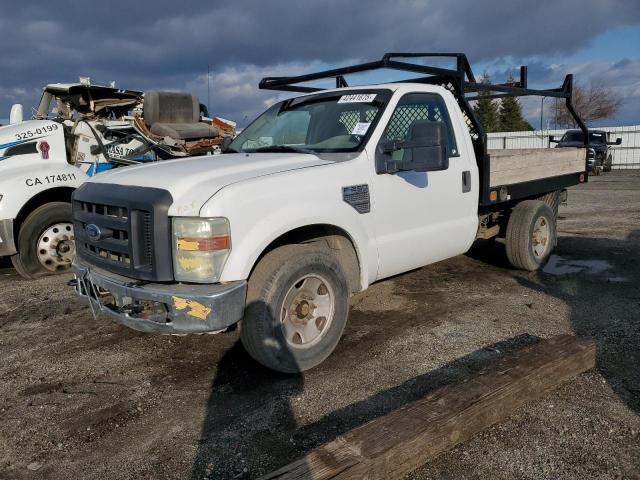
[531,234]
[45,241]
[297,308]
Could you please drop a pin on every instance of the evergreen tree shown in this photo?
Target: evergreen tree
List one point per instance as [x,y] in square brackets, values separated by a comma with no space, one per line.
[487,110]
[510,115]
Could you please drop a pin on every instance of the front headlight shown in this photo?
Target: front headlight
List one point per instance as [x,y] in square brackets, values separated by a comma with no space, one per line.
[200,248]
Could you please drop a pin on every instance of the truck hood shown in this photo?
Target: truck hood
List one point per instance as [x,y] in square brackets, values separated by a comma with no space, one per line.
[9,133]
[599,147]
[193,181]
[27,137]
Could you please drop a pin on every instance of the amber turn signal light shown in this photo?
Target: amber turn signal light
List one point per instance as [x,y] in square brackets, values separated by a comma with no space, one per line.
[203,244]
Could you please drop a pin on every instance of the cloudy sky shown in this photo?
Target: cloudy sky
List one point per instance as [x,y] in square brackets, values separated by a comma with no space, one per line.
[163,44]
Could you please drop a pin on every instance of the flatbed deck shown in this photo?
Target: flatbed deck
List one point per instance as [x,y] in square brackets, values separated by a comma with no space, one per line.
[509,167]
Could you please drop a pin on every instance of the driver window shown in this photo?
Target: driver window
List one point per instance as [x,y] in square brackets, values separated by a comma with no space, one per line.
[415,107]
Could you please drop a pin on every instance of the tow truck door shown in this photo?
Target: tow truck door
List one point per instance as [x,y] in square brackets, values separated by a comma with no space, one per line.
[424,217]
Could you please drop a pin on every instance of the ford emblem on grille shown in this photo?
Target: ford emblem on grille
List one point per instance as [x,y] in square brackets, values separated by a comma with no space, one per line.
[93,232]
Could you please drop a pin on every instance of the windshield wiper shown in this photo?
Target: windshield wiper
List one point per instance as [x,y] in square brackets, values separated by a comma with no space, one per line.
[283,148]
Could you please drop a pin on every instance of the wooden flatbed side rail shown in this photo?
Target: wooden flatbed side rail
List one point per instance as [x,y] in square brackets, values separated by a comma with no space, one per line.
[391,446]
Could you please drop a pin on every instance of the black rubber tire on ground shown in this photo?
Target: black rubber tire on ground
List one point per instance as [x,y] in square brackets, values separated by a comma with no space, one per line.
[26,260]
[552,199]
[607,164]
[519,237]
[262,332]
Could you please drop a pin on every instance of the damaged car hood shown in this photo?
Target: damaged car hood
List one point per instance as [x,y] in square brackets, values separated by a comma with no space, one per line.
[193,181]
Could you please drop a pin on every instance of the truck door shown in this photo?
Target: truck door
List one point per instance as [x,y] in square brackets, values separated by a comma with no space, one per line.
[424,217]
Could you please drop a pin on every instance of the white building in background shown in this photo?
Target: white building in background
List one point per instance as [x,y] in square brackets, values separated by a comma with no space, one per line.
[625,156]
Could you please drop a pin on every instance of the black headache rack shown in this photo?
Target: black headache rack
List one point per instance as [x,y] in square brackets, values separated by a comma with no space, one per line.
[464,86]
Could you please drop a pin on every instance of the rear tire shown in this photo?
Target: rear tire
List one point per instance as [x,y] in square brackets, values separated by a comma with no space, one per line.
[45,242]
[553,200]
[531,235]
[297,307]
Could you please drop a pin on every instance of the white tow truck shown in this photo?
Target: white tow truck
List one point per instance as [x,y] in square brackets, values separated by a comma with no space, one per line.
[79,130]
[318,198]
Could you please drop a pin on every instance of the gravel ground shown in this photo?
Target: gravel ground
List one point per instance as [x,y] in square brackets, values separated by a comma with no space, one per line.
[81,398]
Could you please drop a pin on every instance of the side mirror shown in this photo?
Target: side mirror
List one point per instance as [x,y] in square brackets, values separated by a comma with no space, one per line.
[617,142]
[16,115]
[425,150]
[204,111]
[226,141]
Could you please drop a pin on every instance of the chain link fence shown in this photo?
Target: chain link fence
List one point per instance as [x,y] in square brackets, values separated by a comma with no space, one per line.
[625,156]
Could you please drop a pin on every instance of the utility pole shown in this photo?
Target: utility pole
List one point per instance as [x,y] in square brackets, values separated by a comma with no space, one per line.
[208,90]
[541,117]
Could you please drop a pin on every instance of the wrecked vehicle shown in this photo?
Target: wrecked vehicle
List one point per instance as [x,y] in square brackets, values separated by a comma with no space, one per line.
[79,130]
[319,197]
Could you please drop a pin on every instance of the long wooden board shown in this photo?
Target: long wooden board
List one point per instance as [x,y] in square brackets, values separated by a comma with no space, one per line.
[391,446]
[523,165]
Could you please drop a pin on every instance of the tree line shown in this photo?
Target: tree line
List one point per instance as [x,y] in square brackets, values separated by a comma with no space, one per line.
[503,115]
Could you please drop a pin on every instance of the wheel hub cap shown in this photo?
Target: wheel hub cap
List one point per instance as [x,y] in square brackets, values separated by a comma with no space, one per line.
[303,309]
[540,237]
[56,247]
[307,311]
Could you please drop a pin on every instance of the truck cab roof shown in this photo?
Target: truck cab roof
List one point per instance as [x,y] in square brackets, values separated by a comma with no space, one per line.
[87,99]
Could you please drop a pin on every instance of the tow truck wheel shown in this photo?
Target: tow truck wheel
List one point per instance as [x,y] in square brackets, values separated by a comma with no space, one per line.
[45,242]
[297,307]
[531,234]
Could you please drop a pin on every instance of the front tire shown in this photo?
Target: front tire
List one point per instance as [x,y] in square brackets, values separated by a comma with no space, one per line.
[608,165]
[297,308]
[45,242]
[531,235]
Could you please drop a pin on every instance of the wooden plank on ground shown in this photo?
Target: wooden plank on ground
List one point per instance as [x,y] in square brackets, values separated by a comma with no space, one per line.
[391,446]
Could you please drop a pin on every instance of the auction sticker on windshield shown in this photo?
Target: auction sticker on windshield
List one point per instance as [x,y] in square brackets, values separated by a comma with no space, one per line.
[360,128]
[357,98]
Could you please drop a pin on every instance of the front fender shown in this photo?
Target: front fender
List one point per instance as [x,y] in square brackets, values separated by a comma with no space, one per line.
[253,242]
[264,209]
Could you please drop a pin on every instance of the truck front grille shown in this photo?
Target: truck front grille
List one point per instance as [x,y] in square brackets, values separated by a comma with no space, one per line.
[116,226]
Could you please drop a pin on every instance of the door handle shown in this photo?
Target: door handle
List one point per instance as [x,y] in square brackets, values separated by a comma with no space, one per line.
[466,181]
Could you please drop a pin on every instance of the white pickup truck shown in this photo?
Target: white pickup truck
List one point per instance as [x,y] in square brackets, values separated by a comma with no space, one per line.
[321,196]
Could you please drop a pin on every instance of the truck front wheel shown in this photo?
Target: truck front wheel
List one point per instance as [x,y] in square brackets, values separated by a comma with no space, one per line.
[45,241]
[297,307]
[531,234]
[608,164]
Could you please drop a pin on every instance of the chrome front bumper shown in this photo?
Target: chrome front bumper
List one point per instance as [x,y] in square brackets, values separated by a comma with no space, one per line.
[7,241]
[158,307]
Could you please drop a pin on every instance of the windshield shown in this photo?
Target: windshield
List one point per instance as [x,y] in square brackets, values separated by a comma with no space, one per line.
[594,137]
[327,122]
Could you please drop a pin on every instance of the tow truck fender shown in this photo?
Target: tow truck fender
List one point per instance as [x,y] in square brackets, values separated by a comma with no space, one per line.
[21,183]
